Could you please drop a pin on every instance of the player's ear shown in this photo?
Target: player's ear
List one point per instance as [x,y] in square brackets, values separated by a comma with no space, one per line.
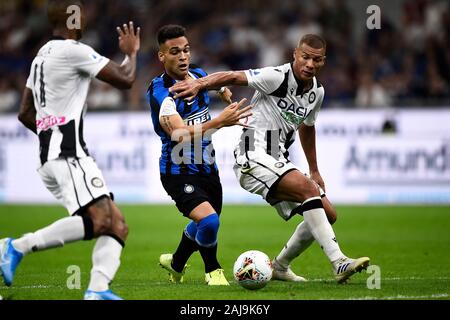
[161,56]
[294,54]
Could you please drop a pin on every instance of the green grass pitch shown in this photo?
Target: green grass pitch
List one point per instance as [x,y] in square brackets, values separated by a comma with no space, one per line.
[410,244]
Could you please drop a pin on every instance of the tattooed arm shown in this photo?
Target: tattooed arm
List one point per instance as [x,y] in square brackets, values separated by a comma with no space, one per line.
[175,127]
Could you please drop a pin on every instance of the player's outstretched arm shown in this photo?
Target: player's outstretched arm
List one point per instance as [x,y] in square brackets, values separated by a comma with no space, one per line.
[189,88]
[123,76]
[174,126]
[232,115]
[27,113]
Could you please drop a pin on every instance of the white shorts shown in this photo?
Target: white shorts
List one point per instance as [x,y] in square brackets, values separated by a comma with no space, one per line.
[74,182]
[260,173]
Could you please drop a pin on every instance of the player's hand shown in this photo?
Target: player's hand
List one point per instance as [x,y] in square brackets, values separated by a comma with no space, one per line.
[129,39]
[317,178]
[186,89]
[233,113]
[225,96]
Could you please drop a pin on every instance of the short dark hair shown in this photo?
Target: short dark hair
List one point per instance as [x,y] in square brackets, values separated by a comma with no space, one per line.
[57,11]
[170,31]
[314,41]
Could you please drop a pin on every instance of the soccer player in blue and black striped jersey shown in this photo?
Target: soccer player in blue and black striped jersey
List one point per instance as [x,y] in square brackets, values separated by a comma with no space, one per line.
[188,170]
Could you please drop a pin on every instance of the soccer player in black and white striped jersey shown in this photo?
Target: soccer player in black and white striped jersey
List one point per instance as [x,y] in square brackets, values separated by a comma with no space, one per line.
[287,99]
[53,107]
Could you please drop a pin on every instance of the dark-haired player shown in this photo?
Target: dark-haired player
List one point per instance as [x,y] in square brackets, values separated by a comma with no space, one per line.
[287,99]
[189,174]
[53,107]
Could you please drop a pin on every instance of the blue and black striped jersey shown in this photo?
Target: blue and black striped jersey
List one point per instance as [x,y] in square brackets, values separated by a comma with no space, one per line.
[194,112]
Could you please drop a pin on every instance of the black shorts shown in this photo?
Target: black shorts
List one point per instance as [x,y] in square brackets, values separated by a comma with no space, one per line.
[188,191]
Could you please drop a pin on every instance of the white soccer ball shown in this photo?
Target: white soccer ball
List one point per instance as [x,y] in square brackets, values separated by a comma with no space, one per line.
[253,269]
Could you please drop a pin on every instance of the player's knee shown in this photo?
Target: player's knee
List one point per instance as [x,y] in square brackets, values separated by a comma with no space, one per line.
[119,226]
[101,214]
[331,215]
[207,230]
[121,230]
[118,229]
[191,230]
[102,224]
[309,191]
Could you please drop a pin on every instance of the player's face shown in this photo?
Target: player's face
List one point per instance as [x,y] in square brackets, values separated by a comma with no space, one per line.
[308,61]
[175,54]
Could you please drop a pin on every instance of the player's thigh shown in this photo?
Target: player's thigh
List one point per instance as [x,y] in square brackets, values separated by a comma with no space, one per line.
[77,183]
[213,189]
[186,191]
[261,174]
[296,187]
[56,176]
[210,187]
[201,211]
[49,180]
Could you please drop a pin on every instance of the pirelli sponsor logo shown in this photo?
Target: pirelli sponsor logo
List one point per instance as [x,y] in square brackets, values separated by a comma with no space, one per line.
[197,118]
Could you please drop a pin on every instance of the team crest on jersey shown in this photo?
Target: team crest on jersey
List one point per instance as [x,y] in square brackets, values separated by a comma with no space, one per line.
[245,168]
[188,188]
[312,97]
[279,165]
[97,182]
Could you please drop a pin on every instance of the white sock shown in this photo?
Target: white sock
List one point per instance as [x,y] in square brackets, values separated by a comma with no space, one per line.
[300,240]
[105,263]
[57,234]
[321,229]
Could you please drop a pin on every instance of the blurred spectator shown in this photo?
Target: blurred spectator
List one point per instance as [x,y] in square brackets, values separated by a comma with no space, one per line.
[304,25]
[408,58]
[9,96]
[371,94]
[104,97]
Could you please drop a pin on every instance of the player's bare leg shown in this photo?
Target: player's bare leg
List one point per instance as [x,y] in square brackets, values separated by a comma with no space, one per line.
[96,222]
[110,228]
[57,234]
[316,225]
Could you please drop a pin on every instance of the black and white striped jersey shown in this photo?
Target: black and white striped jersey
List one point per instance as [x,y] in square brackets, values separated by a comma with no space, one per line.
[59,78]
[279,107]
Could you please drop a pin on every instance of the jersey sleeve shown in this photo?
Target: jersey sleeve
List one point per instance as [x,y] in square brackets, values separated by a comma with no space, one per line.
[266,80]
[168,107]
[312,117]
[29,83]
[85,59]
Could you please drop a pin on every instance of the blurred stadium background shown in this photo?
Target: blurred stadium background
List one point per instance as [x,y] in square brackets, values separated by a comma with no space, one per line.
[383,139]
[383,132]
[404,64]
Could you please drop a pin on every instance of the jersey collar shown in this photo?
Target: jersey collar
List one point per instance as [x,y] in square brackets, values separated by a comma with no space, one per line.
[169,81]
[57,38]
